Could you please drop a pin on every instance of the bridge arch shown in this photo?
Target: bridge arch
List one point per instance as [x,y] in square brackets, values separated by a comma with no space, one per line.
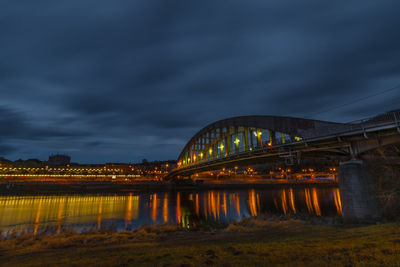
[234,135]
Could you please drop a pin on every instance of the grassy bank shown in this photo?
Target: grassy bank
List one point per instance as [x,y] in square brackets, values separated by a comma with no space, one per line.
[248,243]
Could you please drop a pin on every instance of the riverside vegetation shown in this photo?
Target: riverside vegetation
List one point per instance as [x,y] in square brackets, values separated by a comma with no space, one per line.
[258,241]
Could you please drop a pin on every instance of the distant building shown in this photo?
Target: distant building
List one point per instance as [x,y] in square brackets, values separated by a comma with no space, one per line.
[5,162]
[59,160]
[29,163]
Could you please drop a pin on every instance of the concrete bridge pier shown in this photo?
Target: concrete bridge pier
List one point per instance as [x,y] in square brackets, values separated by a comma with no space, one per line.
[359,202]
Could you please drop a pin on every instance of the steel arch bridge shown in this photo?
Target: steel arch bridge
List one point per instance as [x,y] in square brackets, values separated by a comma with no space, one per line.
[241,139]
[235,135]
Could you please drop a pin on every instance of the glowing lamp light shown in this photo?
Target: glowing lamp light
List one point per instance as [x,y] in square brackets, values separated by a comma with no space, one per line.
[201,155]
[237,141]
[210,151]
[269,144]
[257,134]
[221,147]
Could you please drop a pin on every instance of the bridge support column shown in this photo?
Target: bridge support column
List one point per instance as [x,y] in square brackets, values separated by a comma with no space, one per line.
[236,138]
[272,138]
[214,145]
[229,142]
[359,203]
[209,154]
[246,139]
[251,138]
[201,148]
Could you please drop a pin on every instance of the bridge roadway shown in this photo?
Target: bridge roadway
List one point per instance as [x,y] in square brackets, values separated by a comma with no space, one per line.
[332,140]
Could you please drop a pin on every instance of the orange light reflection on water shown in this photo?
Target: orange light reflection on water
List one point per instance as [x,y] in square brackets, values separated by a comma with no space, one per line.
[237,204]
[315,202]
[252,202]
[154,208]
[308,200]
[37,218]
[225,204]
[213,205]
[34,213]
[338,201]
[178,208]
[60,214]
[128,210]
[99,214]
[165,208]
[197,205]
[284,201]
[291,200]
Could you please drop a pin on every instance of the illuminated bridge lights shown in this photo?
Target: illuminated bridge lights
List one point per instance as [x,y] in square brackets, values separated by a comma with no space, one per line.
[237,141]
[247,135]
[257,134]
[228,141]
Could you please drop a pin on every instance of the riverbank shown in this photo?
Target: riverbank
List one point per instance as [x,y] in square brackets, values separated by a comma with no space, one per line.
[10,187]
[247,243]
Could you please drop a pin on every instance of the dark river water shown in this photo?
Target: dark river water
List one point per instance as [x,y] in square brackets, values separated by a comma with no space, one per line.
[132,210]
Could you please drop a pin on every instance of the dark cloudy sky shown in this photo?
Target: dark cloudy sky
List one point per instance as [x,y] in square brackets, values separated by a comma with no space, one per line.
[124,80]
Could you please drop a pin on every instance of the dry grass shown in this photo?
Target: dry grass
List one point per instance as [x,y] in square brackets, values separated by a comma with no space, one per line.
[70,238]
[251,242]
[263,224]
[386,183]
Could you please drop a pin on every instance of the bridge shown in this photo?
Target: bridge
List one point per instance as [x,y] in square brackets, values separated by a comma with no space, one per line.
[249,140]
[253,139]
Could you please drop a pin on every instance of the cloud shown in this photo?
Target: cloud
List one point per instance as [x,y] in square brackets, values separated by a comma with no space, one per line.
[6,149]
[106,82]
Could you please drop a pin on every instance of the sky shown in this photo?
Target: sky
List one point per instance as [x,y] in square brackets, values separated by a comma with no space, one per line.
[119,81]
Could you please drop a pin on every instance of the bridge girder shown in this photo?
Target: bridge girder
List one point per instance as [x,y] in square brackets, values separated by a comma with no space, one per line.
[239,134]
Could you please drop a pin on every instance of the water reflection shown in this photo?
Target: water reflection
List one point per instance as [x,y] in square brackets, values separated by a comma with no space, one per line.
[338,201]
[53,213]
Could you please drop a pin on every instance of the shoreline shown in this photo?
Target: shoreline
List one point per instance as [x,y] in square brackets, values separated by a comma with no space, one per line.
[51,187]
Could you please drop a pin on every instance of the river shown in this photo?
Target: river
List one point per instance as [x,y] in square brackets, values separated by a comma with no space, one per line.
[128,211]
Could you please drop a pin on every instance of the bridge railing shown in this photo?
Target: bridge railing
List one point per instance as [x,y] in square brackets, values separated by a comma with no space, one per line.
[360,125]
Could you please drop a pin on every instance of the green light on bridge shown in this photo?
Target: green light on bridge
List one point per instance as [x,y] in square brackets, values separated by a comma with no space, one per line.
[258,133]
[237,141]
